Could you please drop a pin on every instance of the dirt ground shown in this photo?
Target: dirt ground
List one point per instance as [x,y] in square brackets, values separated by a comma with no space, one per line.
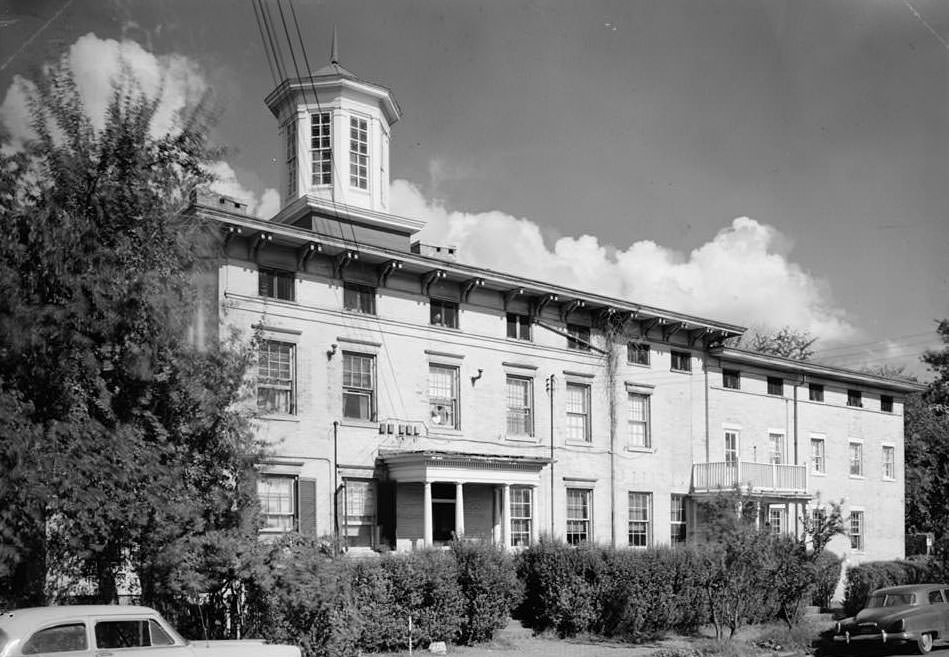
[549,647]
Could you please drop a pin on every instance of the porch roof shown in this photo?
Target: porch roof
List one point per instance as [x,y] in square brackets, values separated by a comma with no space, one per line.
[462,467]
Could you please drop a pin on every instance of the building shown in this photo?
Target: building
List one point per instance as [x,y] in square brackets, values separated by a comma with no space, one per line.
[409,398]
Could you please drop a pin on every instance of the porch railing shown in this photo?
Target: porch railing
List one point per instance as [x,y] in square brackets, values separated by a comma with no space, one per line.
[764,477]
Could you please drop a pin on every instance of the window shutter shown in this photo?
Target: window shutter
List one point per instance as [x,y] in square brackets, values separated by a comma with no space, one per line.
[307,498]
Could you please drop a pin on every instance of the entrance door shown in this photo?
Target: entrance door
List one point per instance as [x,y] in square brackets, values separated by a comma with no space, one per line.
[443,521]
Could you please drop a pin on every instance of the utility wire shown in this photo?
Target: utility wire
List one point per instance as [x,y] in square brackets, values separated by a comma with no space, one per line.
[263,40]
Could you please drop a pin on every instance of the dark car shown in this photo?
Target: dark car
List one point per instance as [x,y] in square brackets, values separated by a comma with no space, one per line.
[915,614]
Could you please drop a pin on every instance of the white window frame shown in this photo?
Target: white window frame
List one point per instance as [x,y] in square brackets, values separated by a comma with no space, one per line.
[520,407]
[444,403]
[360,510]
[733,453]
[684,358]
[321,149]
[577,414]
[582,525]
[357,296]
[277,385]
[639,520]
[358,152]
[858,537]
[858,462]
[579,337]
[522,515]
[638,348]
[638,426]
[819,458]
[354,384]
[888,465]
[777,450]
[678,520]
[521,327]
[285,519]
[291,156]
[440,306]
[777,519]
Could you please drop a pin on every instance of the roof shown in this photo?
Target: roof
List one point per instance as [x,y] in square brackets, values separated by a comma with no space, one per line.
[808,368]
[18,620]
[910,588]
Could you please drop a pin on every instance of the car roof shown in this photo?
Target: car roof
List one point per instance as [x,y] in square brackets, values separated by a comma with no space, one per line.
[910,588]
[17,621]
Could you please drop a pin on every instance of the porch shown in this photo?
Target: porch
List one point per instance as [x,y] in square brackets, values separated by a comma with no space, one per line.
[779,479]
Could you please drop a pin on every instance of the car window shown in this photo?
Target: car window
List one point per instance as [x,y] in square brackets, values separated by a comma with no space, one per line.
[122,634]
[935,598]
[158,635]
[60,638]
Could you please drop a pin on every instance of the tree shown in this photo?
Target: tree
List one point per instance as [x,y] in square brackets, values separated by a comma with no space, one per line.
[122,446]
[938,361]
[786,343]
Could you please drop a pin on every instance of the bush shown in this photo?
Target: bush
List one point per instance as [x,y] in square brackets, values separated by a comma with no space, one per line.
[827,572]
[489,587]
[865,578]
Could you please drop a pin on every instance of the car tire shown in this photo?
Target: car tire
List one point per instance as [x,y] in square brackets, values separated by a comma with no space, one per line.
[924,643]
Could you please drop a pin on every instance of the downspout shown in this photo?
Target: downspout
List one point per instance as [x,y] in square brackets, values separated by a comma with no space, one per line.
[611,381]
[550,394]
[336,481]
[797,384]
[707,435]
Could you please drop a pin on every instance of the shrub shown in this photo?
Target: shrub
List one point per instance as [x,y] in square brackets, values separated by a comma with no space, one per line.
[558,594]
[864,578]
[827,575]
[489,587]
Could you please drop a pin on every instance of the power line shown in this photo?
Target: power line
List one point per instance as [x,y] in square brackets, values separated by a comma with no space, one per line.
[263,39]
[910,337]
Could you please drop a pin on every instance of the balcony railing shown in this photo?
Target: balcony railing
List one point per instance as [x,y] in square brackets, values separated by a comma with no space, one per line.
[778,478]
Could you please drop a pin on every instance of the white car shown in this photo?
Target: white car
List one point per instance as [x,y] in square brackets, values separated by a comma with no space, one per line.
[113,630]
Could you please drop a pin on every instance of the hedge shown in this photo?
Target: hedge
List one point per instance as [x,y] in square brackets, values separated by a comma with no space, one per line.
[865,578]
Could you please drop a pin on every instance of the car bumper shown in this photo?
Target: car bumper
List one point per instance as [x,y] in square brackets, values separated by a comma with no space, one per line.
[880,638]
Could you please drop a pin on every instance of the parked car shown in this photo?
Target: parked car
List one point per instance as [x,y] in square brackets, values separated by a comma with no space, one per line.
[87,630]
[916,614]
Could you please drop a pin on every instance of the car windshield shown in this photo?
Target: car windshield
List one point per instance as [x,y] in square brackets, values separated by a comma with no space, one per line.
[891,600]
[3,641]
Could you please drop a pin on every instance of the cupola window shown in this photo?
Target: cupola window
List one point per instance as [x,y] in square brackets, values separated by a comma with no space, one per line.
[358,153]
[321,150]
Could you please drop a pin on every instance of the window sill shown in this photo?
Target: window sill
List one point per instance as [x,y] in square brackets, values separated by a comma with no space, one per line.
[521,438]
[358,313]
[818,474]
[445,431]
[579,443]
[356,422]
[680,371]
[853,476]
[889,478]
[643,365]
[738,388]
[272,417]
[641,450]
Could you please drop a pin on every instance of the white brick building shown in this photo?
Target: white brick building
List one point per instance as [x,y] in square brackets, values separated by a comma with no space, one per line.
[409,398]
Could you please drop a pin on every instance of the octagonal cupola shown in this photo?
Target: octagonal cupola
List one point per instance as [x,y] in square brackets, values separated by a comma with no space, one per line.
[334,128]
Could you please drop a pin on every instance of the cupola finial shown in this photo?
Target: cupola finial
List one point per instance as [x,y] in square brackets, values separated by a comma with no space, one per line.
[334,55]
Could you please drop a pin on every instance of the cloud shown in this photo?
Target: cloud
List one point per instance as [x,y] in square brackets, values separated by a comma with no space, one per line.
[742,275]
[176,80]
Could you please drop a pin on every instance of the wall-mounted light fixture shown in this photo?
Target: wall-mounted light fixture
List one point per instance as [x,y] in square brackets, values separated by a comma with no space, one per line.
[477,376]
[332,350]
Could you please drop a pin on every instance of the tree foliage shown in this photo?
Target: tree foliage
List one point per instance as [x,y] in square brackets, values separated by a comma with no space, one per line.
[121,449]
[785,342]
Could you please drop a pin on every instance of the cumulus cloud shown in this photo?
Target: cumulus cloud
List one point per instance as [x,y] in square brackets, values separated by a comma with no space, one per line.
[176,80]
[742,275]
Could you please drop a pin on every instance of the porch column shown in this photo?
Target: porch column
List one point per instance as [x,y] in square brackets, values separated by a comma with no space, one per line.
[787,518]
[427,515]
[459,510]
[535,516]
[506,516]
[757,514]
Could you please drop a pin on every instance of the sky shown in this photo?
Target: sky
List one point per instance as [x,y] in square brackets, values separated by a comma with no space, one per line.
[762,162]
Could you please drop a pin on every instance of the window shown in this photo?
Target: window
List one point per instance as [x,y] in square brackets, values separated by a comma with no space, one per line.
[886,403]
[935,598]
[578,337]
[776,519]
[855,530]
[359,386]
[731,379]
[776,445]
[637,353]
[443,395]
[443,313]
[579,513]
[818,464]
[321,150]
[59,638]
[731,447]
[889,462]
[520,402]
[518,326]
[855,398]
[639,421]
[275,378]
[677,525]
[130,634]
[358,153]
[359,298]
[291,158]
[856,459]
[640,526]
[275,284]
[521,516]
[775,385]
[578,412]
[360,517]
[278,502]
[818,518]
[815,392]
[681,361]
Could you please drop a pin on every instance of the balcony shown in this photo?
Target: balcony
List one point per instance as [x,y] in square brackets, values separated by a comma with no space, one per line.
[766,479]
